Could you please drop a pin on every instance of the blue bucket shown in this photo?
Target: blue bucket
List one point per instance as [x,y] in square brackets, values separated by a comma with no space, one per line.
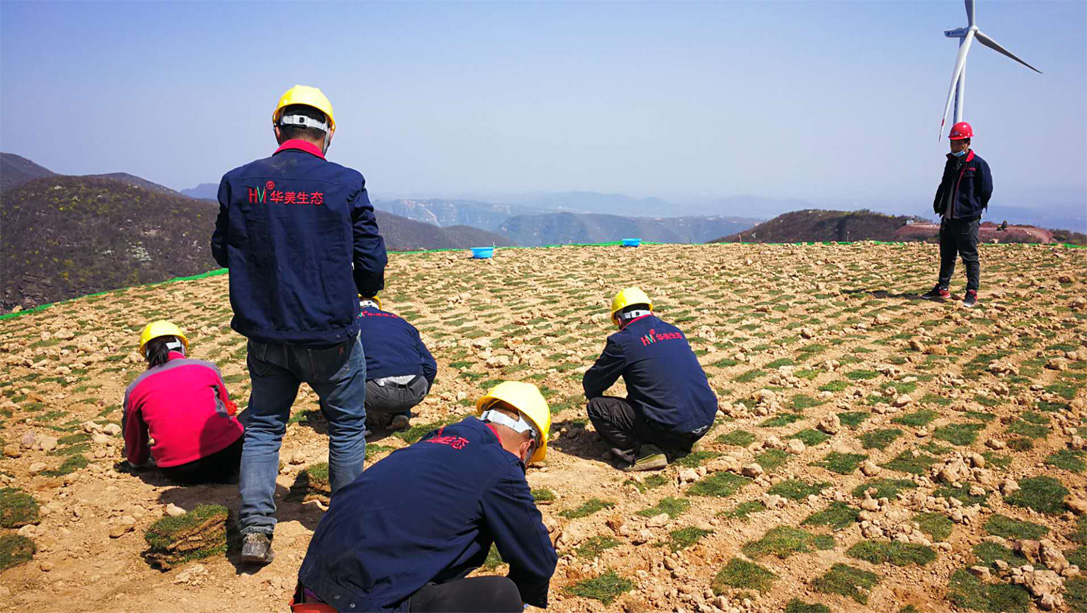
[482,253]
[632,242]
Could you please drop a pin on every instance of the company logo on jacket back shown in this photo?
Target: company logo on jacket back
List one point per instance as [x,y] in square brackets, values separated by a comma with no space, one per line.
[653,337]
[269,194]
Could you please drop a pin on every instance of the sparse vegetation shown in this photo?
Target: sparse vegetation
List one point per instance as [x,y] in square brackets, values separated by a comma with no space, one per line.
[837,516]
[605,588]
[587,508]
[785,541]
[741,574]
[847,581]
[1043,494]
[892,552]
[1004,526]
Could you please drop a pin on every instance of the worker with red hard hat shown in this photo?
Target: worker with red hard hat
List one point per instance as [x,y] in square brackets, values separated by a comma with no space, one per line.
[963,195]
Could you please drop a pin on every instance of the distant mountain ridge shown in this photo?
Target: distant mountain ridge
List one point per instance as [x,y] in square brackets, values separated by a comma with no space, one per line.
[16,170]
[204,191]
[565,228]
[440,212]
[814,225]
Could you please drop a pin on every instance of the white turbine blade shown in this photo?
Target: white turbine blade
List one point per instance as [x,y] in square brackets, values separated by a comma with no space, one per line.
[970,12]
[995,46]
[960,61]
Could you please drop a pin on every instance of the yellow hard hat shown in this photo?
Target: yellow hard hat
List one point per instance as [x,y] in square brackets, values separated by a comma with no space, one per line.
[308,96]
[159,328]
[528,401]
[628,297]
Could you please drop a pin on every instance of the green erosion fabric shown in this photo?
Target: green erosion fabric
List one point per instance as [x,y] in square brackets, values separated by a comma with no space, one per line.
[223,271]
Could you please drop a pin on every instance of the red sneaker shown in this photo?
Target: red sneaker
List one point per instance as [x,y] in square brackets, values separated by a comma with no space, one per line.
[937,293]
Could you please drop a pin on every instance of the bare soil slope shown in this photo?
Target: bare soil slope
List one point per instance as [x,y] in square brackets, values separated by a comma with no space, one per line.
[873,452]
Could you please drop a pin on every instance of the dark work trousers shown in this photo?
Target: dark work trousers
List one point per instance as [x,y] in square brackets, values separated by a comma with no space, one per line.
[219,467]
[959,237]
[393,398]
[627,430]
[481,594]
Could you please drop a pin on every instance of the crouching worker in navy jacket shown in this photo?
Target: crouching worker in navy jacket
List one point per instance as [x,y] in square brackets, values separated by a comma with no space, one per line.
[403,536]
[399,367]
[669,403]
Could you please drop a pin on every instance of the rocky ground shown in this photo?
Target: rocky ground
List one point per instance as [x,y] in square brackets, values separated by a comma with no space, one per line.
[872,451]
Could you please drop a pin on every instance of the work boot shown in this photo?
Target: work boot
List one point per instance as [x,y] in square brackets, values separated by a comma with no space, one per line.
[971,298]
[937,293]
[400,422]
[650,457]
[257,548]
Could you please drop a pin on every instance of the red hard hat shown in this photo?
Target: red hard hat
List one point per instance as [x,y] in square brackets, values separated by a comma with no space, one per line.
[960,131]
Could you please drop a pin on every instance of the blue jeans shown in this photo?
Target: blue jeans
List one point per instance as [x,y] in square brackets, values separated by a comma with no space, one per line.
[338,375]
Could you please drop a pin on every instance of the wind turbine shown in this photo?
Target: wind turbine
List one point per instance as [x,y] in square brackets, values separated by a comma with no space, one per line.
[958,76]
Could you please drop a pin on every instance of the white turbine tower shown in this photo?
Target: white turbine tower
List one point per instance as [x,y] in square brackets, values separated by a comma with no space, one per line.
[958,77]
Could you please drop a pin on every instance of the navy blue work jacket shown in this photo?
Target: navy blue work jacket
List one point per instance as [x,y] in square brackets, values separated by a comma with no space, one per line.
[664,380]
[393,347]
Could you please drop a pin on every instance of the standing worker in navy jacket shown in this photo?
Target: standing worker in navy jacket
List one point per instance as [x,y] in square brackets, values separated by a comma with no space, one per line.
[964,192]
[298,235]
[405,534]
[399,367]
[669,403]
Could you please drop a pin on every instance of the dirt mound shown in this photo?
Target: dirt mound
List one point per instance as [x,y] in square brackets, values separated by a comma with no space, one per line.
[988,233]
[872,452]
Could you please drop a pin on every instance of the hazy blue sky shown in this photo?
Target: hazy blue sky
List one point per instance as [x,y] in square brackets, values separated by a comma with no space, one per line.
[831,100]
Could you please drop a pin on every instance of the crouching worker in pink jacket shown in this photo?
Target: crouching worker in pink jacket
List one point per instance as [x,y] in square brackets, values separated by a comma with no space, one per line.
[183,406]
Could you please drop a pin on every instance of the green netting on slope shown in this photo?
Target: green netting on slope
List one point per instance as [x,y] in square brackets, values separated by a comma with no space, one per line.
[223,271]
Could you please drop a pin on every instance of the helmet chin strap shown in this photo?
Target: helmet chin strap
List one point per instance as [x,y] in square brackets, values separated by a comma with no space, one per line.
[368,303]
[176,345]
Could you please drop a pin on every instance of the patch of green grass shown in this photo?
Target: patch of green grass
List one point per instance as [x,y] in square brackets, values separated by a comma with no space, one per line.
[605,588]
[988,553]
[543,495]
[15,550]
[853,419]
[674,507]
[1068,459]
[804,401]
[799,606]
[596,545]
[961,493]
[997,460]
[1024,428]
[771,459]
[685,537]
[1075,594]
[884,488]
[978,415]
[737,438]
[69,466]
[969,592]
[834,386]
[934,448]
[784,541]
[721,485]
[880,439]
[795,489]
[916,419]
[17,508]
[892,552]
[1002,525]
[1043,494]
[811,437]
[837,516]
[741,574]
[1080,533]
[1077,556]
[587,508]
[931,398]
[1020,444]
[861,375]
[164,536]
[750,375]
[841,463]
[936,525]
[907,462]
[781,419]
[847,581]
[744,509]
[695,458]
[958,434]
